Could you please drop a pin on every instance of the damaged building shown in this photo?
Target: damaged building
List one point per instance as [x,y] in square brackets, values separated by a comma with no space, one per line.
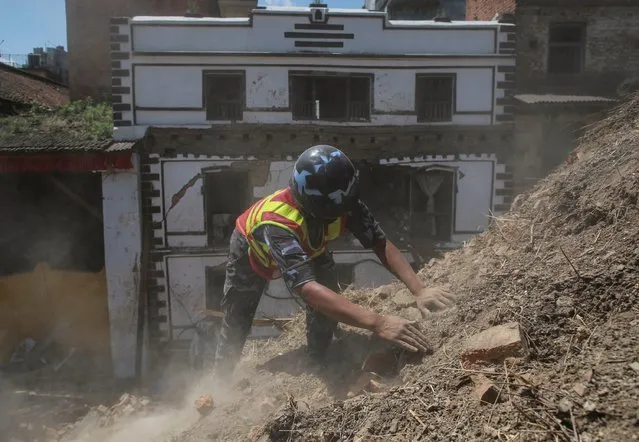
[575,59]
[222,107]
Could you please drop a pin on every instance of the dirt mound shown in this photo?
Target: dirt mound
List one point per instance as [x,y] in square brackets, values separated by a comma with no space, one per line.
[564,266]
[542,345]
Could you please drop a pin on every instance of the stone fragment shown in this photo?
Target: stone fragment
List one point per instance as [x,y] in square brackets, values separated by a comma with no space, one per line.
[590,406]
[494,344]
[385,291]
[485,391]
[565,405]
[362,384]
[579,388]
[634,366]
[588,375]
[204,404]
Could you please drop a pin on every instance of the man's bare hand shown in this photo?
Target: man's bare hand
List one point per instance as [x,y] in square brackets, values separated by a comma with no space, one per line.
[434,299]
[402,332]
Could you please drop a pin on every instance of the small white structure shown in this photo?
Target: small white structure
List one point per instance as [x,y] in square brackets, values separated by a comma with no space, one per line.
[226,105]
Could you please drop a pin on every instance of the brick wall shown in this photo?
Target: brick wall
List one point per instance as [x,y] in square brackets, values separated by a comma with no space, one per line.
[486,9]
[88,37]
[611,51]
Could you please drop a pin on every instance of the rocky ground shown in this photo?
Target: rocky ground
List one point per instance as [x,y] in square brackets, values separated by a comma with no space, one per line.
[542,345]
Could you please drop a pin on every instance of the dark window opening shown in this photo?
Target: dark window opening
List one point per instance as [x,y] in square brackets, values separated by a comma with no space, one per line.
[224,96]
[226,196]
[566,48]
[335,98]
[434,98]
[433,204]
[415,207]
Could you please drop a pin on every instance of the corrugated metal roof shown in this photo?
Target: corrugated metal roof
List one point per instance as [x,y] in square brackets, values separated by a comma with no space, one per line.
[44,142]
[561,99]
[120,146]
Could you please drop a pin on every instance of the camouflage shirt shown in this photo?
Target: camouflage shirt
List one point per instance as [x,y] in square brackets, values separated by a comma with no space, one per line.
[294,263]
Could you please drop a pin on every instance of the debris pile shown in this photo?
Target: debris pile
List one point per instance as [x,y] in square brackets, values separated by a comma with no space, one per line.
[101,416]
[543,344]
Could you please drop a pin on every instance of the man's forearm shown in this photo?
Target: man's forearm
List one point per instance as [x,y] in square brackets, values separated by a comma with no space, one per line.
[395,262]
[337,307]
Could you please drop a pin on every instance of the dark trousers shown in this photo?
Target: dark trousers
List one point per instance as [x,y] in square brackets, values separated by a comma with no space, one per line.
[243,289]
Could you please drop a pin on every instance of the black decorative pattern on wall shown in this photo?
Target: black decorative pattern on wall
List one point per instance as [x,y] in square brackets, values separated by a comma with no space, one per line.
[319,35]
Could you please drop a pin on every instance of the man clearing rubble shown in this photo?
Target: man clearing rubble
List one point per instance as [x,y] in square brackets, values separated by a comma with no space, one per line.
[286,234]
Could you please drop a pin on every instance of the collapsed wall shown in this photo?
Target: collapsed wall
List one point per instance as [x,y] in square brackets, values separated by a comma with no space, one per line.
[561,270]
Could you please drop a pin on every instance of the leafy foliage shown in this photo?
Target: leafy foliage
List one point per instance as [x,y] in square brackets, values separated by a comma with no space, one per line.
[82,119]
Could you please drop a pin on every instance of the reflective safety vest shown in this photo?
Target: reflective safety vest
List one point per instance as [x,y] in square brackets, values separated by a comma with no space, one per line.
[280,209]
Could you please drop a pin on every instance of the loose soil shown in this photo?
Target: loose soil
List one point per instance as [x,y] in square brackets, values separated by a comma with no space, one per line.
[563,263]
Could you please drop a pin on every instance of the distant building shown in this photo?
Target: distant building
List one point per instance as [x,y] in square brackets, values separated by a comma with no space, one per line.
[51,63]
[574,59]
[419,9]
[89,39]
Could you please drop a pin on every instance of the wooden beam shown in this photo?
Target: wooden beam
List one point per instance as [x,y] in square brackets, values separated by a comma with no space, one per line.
[276,322]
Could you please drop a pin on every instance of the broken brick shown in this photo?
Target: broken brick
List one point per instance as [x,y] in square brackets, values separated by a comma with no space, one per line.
[362,384]
[494,344]
[485,391]
[374,387]
[204,405]
[381,363]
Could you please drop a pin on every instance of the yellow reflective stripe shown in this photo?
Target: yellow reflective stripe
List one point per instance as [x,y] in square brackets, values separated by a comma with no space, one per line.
[261,250]
[334,229]
[252,216]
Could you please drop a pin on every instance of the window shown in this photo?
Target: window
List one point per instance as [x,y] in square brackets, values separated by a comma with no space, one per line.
[331,97]
[566,43]
[224,95]
[432,199]
[434,98]
[226,196]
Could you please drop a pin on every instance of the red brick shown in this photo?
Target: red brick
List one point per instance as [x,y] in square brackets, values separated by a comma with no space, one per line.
[486,9]
[494,344]
[484,390]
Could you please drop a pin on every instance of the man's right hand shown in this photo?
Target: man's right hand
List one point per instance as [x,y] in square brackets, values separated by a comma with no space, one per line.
[402,332]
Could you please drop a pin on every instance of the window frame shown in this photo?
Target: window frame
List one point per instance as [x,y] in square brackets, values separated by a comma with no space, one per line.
[207,74]
[553,45]
[453,95]
[246,198]
[348,76]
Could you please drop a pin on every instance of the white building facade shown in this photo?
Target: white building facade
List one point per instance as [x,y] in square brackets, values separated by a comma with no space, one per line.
[225,105]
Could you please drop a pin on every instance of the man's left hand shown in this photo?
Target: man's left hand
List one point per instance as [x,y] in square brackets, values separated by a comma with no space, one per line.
[434,299]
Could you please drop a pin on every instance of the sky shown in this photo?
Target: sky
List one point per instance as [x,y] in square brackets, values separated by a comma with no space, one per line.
[26,24]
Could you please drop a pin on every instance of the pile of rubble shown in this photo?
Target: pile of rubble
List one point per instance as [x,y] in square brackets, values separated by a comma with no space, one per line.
[543,344]
[128,407]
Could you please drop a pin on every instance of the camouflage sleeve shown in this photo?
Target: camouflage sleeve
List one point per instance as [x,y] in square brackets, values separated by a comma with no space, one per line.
[293,262]
[364,226]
